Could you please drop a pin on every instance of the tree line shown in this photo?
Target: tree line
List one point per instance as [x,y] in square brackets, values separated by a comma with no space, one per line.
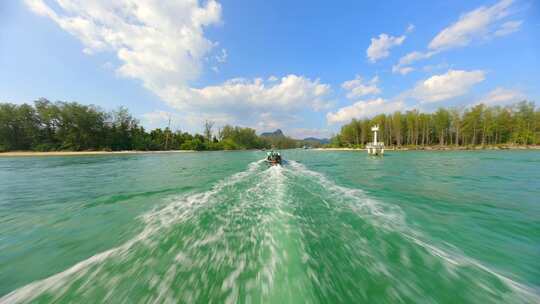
[517,124]
[70,126]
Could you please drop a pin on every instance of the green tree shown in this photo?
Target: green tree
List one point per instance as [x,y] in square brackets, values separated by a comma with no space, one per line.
[441,120]
[397,127]
[524,123]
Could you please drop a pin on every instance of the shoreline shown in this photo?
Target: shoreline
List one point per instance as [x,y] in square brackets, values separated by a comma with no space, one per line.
[442,148]
[393,149]
[82,153]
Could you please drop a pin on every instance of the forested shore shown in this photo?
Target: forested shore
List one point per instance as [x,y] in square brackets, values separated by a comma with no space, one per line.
[512,126]
[70,126]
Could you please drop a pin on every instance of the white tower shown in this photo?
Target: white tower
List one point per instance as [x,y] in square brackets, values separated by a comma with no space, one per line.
[375,148]
[375,129]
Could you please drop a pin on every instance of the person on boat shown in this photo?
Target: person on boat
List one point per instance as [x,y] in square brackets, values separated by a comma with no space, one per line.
[277,157]
[273,156]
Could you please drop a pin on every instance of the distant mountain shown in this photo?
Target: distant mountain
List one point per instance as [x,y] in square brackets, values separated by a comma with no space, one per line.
[322,141]
[276,133]
[279,134]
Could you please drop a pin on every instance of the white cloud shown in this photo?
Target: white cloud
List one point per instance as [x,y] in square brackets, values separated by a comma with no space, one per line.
[270,121]
[182,121]
[452,84]
[195,121]
[160,119]
[481,23]
[108,65]
[39,7]
[261,104]
[160,43]
[267,122]
[413,56]
[380,47]
[301,133]
[508,28]
[501,96]
[156,117]
[434,67]
[402,70]
[363,109]
[163,44]
[222,57]
[403,67]
[358,88]
[290,92]
[478,23]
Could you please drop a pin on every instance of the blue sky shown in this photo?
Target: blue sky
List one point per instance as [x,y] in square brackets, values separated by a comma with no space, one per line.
[302,66]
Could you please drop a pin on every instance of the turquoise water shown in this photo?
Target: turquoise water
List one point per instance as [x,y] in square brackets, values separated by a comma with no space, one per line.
[327,227]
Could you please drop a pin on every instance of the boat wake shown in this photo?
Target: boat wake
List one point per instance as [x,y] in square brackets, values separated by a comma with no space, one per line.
[392,220]
[276,234]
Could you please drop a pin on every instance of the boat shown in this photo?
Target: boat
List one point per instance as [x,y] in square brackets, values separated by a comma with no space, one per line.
[273,158]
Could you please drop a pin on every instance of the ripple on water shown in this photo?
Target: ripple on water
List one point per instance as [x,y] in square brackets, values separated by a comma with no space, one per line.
[277,234]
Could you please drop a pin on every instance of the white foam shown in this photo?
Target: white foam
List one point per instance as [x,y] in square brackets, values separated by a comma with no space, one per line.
[384,214]
[396,221]
[155,220]
[456,259]
[181,209]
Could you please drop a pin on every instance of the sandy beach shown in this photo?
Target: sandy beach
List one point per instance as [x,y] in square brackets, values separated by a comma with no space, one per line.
[426,148]
[338,149]
[442,148]
[79,153]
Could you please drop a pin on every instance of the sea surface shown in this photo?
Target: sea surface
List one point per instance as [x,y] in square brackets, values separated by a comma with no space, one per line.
[223,227]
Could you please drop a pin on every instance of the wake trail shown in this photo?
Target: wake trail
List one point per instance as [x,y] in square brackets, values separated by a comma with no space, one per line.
[176,211]
[392,218]
[264,235]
